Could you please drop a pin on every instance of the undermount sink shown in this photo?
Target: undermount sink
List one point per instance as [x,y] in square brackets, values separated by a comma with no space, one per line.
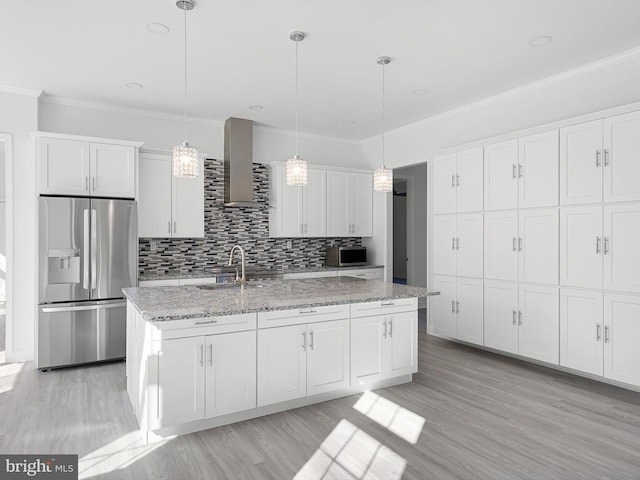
[216,286]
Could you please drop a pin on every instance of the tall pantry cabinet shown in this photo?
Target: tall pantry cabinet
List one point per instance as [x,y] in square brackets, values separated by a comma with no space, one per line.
[560,242]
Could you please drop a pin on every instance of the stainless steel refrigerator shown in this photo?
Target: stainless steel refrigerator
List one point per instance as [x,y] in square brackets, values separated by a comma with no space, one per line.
[87,255]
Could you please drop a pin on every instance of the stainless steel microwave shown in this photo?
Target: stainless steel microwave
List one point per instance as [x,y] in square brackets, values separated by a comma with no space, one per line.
[346,256]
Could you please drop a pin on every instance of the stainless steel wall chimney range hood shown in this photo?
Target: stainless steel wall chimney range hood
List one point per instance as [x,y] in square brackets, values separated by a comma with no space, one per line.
[238,163]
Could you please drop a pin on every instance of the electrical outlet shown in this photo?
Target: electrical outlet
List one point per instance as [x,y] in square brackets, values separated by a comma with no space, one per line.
[153,246]
[288,244]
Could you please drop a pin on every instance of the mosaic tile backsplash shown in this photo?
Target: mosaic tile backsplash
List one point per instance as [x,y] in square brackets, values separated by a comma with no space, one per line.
[227,226]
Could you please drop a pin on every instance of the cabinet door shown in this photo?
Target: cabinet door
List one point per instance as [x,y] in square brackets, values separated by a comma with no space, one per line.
[154,202]
[328,356]
[230,381]
[402,340]
[282,364]
[444,183]
[500,245]
[338,218]
[500,175]
[581,163]
[469,245]
[469,308]
[581,329]
[538,246]
[622,248]
[469,180]
[285,216]
[113,172]
[443,306]
[621,162]
[64,167]
[181,381]
[538,170]
[622,330]
[539,323]
[362,205]
[368,350]
[315,204]
[444,244]
[500,316]
[188,205]
[581,246]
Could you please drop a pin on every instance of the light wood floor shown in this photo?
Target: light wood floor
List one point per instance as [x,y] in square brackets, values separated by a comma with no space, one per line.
[485,416]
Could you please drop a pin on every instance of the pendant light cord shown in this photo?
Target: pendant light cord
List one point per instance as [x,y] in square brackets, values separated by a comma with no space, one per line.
[185,75]
[383,65]
[297,42]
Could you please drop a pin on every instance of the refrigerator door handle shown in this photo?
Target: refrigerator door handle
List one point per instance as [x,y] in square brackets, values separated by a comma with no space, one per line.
[82,307]
[85,260]
[94,249]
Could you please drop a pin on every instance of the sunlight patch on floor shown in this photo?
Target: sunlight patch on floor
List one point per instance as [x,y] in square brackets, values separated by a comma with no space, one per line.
[8,374]
[118,454]
[404,423]
[348,453]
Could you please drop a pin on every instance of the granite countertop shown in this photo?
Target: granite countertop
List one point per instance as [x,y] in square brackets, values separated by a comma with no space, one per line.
[173,303]
[213,271]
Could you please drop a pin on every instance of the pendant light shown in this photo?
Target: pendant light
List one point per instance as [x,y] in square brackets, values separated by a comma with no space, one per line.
[383,176]
[185,156]
[296,167]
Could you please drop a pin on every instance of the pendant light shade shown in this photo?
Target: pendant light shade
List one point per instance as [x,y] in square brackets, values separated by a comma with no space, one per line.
[383,176]
[185,156]
[296,167]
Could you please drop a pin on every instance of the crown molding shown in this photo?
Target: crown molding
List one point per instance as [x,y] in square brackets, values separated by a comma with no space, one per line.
[27,92]
[261,128]
[573,73]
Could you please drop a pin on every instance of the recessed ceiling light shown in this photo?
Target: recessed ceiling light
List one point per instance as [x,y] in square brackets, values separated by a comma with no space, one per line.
[158,28]
[348,122]
[255,107]
[134,85]
[421,91]
[541,41]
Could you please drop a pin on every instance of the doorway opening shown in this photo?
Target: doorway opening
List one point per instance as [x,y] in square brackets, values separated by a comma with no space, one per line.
[400,258]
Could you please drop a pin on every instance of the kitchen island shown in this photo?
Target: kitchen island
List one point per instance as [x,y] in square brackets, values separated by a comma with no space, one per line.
[209,355]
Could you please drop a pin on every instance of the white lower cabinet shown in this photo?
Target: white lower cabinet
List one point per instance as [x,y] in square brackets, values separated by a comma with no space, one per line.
[300,360]
[205,376]
[621,333]
[383,346]
[522,319]
[457,312]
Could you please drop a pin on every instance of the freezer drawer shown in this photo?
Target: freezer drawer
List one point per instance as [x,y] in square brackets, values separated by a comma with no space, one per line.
[76,333]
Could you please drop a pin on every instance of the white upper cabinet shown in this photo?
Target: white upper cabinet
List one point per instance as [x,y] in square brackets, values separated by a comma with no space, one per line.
[581,246]
[458,181]
[112,170]
[501,245]
[79,167]
[169,207]
[538,245]
[581,330]
[444,183]
[469,245]
[501,175]
[621,248]
[297,211]
[444,244]
[349,204]
[622,158]
[581,163]
[621,333]
[538,170]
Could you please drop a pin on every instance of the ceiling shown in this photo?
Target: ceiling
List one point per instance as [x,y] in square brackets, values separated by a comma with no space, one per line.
[240,54]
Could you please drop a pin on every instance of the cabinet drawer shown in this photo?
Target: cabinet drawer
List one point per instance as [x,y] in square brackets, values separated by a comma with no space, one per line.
[198,281]
[190,327]
[323,274]
[364,273]
[383,307]
[281,318]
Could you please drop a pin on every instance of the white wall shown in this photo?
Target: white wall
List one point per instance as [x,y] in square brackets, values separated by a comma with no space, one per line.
[19,117]
[605,84]
[164,131]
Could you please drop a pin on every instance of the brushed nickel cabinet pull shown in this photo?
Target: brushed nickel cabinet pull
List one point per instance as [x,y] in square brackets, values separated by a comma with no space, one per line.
[519,244]
[453,243]
[453,181]
[597,158]
[175,226]
[386,304]
[457,180]
[606,157]
[211,354]
[169,225]
[201,355]
[519,317]
[304,341]
[385,329]
[311,343]
[606,334]
[597,245]
[205,322]
[457,243]
[520,170]
[457,307]
[94,183]
[514,317]
[606,245]
[598,332]
[514,246]
[453,306]
[86,182]
[514,170]
[390,328]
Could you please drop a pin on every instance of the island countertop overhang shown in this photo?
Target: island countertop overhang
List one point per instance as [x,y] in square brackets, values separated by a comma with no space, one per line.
[158,304]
